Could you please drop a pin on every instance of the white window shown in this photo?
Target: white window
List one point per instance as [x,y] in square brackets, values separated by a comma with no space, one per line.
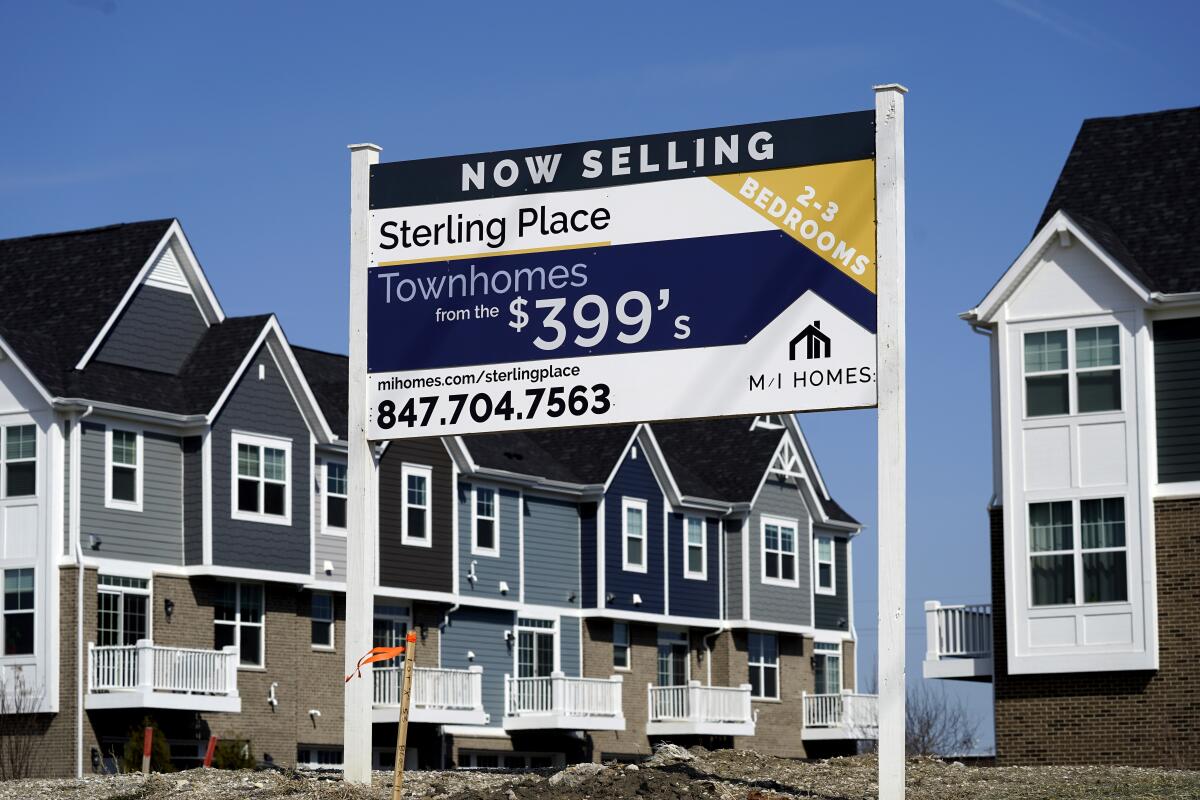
[764,665]
[335,497]
[19,457]
[389,629]
[322,620]
[695,549]
[1067,374]
[318,757]
[416,520]
[18,612]
[824,562]
[122,605]
[536,651]
[633,534]
[238,621]
[262,489]
[485,526]
[779,552]
[620,645]
[827,667]
[673,661]
[1064,555]
[123,469]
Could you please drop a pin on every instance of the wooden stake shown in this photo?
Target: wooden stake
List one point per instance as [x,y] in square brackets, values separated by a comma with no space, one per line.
[410,657]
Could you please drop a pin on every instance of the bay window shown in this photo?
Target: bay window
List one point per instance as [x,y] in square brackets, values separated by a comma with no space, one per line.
[1078,543]
[1072,374]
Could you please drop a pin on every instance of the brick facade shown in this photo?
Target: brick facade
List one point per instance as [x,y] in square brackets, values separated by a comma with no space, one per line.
[1143,718]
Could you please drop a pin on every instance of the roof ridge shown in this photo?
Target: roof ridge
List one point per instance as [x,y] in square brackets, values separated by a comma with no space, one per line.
[1142,114]
[84,231]
[317,350]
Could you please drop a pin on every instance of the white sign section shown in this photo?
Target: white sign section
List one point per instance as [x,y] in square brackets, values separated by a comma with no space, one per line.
[619,281]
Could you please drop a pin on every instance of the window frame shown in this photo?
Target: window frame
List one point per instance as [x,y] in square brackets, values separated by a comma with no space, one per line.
[779,522]
[537,626]
[330,621]
[626,645]
[262,442]
[238,623]
[425,472]
[1073,370]
[1077,552]
[121,591]
[628,503]
[829,651]
[5,461]
[688,573]
[476,549]
[138,468]
[763,666]
[327,493]
[5,613]
[831,589]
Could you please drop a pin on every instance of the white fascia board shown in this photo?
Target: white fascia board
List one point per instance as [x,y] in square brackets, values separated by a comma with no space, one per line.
[11,354]
[658,464]
[621,459]
[201,290]
[237,374]
[308,405]
[793,427]
[1015,275]
[194,424]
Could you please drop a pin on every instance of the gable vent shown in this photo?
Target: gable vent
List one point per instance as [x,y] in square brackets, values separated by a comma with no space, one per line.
[167,274]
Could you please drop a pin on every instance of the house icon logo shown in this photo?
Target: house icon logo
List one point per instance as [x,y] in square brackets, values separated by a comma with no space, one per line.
[818,344]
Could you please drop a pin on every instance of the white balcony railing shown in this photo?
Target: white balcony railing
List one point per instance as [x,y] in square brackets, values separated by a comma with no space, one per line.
[557,701]
[433,689]
[843,716]
[958,641]
[149,675]
[696,709]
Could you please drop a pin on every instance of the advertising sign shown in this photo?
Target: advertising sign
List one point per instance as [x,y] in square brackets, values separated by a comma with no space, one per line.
[696,274]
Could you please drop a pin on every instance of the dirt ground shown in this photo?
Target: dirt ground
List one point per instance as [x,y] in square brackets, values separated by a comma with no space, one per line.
[672,774]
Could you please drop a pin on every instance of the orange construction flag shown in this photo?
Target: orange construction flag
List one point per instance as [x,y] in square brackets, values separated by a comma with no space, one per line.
[375,654]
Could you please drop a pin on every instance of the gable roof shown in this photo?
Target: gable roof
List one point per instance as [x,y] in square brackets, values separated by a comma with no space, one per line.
[580,455]
[1133,183]
[327,377]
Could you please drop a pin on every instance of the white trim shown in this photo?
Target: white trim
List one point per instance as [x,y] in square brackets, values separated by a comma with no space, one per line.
[601,555]
[326,493]
[555,637]
[746,520]
[206,490]
[263,442]
[816,565]
[628,503]
[476,550]
[421,471]
[1183,489]
[781,523]
[688,574]
[763,665]
[237,625]
[139,469]
[521,550]
[332,621]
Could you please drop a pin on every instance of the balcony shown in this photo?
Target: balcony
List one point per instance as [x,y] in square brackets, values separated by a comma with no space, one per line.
[841,716]
[562,703]
[696,710]
[958,642]
[145,675]
[440,696]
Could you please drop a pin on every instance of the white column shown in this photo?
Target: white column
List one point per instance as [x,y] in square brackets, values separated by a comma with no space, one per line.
[230,666]
[362,487]
[144,655]
[889,204]
[932,648]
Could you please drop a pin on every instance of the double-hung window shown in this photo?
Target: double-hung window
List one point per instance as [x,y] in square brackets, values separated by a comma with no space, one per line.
[1065,554]
[1075,371]
[335,497]
[322,620]
[827,667]
[779,553]
[633,534]
[764,665]
[18,612]
[262,479]
[416,520]
[123,470]
[238,621]
[20,461]
[823,558]
[620,639]
[695,549]
[122,605]
[484,521]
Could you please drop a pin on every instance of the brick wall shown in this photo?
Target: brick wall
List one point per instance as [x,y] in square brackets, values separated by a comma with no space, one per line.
[1139,718]
[779,727]
[643,663]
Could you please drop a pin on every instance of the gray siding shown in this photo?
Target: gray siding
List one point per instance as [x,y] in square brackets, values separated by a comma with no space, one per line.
[734,530]
[261,407]
[568,646]
[552,551]
[328,547]
[771,603]
[193,500]
[490,570]
[1177,398]
[156,532]
[157,331]
[481,631]
[833,611]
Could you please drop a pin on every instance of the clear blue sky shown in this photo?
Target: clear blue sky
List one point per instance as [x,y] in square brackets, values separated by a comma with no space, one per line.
[234,117]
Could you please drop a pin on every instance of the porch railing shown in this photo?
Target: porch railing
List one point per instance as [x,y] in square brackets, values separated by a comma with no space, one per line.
[148,667]
[699,703]
[433,688]
[957,631]
[558,694]
[846,710]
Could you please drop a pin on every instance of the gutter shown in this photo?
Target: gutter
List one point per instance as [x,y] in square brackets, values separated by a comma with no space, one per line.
[76,461]
[1176,298]
[87,406]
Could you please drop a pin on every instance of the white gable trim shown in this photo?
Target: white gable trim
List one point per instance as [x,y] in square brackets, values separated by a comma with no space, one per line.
[1060,224]
[201,292]
[7,352]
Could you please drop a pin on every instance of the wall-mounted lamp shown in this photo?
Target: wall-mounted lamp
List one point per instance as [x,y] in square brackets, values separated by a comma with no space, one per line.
[508,636]
[94,541]
[503,587]
[471,573]
[169,606]
[470,655]
[637,599]
[272,700]
[571,597]
[314,713]
[608,598]
[328,567]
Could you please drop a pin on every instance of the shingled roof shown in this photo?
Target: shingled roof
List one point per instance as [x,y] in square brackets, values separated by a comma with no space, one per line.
[1133,183]
[326,374]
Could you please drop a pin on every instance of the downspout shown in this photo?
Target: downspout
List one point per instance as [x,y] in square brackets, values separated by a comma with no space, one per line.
[76,460]
[708,654]
[442,728]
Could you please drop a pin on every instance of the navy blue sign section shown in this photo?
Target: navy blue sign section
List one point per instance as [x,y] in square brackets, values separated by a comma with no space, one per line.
[727,287]
[639,159]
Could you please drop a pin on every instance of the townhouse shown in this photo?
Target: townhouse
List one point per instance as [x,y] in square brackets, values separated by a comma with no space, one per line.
[1094,337]
[173,537]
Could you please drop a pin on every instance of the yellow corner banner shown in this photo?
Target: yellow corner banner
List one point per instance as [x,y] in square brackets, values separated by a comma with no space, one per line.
[829,208]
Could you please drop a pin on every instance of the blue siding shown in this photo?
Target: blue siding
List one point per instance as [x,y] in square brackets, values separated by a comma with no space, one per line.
[690,597]
[552,552]
[587,553]
[568,646]
[490,570]
[481,631]
[634,479]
